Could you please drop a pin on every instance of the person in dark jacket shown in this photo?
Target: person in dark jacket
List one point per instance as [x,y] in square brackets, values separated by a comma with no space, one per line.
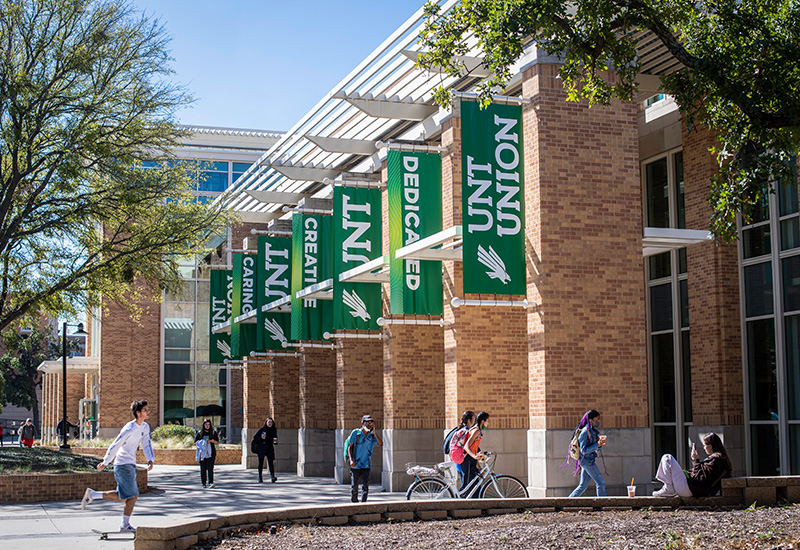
[705,476]
[264,446]
[209,434]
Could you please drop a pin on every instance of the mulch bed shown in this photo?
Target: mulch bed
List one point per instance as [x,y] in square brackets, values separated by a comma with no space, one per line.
[752,529]
[23,460]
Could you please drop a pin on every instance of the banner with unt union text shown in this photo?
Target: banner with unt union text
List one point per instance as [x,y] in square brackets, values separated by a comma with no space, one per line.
[356,241]
[274,267]
[311,263]
[415,212]
[243,335]
[219,345]
[493,209]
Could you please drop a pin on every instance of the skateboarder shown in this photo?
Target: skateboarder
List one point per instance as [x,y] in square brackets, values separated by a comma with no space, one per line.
[123,452]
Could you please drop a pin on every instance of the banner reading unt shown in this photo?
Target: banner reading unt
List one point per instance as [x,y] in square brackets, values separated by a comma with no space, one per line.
[219,345]
[243,335]
[415,212]
[492,199]
[356,240]
[274,282]
[311,264]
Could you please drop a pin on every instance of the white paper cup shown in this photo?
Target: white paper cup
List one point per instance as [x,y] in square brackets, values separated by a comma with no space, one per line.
[631,490]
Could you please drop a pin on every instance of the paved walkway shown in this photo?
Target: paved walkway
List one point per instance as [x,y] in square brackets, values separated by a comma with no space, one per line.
[175,494]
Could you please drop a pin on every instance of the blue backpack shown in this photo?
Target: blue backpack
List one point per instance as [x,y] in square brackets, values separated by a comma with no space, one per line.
[347,446]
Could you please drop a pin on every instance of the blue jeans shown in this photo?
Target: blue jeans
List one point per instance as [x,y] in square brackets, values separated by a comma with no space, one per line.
[590,471]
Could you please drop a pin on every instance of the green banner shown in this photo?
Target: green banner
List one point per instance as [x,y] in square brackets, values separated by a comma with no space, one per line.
[243,335]
[274,272]
[415,212]
[311,264]
[356,240]
[492,203]
[219,345]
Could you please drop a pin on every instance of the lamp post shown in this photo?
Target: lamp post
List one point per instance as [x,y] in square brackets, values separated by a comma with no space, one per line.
[64,426]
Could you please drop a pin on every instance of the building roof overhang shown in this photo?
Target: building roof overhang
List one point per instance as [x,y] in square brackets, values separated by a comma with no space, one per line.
[75,365]
[656,240]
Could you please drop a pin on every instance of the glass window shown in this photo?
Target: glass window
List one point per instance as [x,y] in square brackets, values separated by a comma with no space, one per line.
[178,332]
[664,441]
[758,289]
[679,200]
[684,291]
[241,167]
[682,261]
[661,307]
[764,444]
[756,241]
[663,378]
[792,324]
[659,266]
[213,181]
[183,294]
[762,369]
[686,355]
[178,373]
[178,355]
[791,283]
[790,233]
[787,194]
[794,449]
[657,194]
[179,405]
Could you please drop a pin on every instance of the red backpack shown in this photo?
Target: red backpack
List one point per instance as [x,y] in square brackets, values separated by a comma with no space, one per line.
[457,445]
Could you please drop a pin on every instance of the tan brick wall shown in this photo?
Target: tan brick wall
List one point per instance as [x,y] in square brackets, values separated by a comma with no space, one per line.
[285,392]
[714,312]
[236,381]
[317,389]
[587,344]
[256,394]
[55,487]
[359,381]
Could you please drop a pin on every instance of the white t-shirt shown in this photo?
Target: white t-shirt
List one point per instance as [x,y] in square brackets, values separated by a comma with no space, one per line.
[123,449]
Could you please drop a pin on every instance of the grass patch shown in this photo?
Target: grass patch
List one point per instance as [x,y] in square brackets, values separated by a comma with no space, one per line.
[16,460]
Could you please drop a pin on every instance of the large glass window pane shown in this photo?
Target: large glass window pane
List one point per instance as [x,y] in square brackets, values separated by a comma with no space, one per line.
[178,355]
[210,376]
[663,378]
[682,261]
[762,369]
[764,445]
[758,289]
[792,324]
[241,166]
[185,293]
[657,194]
[686,358]
[679,202]
[787,194]
[659,266]
[684,292]
[790,233]
[213,181]
[794,449]
[661,307]
[791,283]
[178,373]
[664,441]
[760,211]
[179,405]
[178,332]
[756,241]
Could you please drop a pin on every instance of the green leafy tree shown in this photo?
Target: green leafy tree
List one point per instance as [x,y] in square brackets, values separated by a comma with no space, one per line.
[739,73]
[91,205]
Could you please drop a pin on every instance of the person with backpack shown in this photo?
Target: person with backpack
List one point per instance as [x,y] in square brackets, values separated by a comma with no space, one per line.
[589,441]
[358,451]
[263,445]
[472,451]
[453,445]
[704,478]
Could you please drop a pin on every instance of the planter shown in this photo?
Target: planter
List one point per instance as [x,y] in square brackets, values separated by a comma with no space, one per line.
[174,457]
[34,487]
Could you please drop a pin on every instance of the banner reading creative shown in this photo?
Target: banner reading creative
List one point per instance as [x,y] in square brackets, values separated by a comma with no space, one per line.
[492,199]
[274,274]
[415,212]
[243,335]
[356,240]
[311,264]
[219,345]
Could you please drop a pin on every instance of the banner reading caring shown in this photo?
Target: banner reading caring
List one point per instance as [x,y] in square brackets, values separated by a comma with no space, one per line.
[356,240]
[492,199]
[415,212]
[220,311]
[243,335]
[311,264]
[274,273]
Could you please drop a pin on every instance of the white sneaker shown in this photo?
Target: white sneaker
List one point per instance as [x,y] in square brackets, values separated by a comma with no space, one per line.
[666,491]
[127,529]
[211,485]
[87,498]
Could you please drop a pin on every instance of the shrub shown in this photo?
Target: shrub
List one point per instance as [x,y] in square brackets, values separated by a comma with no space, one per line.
[168,431]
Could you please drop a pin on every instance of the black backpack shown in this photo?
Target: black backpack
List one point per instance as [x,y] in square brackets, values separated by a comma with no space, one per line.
[447,438]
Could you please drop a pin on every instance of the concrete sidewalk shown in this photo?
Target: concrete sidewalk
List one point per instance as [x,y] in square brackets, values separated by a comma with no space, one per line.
[175,494]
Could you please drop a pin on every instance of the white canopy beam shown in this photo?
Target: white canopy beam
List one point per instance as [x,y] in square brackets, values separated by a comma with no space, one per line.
[424,249]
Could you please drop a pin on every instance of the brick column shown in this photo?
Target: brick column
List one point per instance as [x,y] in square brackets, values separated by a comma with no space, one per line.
[714,313]
[359,391]
[485,361]
[586,338]
[256,405]
[285,399]
[316,441]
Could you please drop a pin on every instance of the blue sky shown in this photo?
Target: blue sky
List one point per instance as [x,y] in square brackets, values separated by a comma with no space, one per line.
[264,64]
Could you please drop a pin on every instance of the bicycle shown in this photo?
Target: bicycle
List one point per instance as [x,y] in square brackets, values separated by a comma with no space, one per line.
[440,480]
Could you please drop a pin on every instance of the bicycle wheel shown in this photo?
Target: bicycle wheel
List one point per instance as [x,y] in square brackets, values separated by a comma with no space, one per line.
[504,487]
[428,488]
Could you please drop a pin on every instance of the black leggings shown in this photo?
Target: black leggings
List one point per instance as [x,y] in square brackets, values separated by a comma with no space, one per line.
[207,470]
[270,461]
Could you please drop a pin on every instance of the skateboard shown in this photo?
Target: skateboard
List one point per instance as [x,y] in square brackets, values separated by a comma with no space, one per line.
[104,535]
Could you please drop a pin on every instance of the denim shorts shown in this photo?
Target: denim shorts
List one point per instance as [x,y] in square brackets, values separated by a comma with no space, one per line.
[125,474]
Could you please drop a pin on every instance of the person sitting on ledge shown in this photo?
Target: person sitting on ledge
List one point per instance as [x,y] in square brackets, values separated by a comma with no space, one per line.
[705,477]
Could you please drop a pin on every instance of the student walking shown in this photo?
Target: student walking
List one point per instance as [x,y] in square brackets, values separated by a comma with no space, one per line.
[206,440]
[472,451]
[123,453]
[27,433]
[705,477]
[590,442]
[264,446]
[362,440]
[454,437]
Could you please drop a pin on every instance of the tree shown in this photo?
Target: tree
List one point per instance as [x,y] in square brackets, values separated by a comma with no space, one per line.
[91,201]
[739,75]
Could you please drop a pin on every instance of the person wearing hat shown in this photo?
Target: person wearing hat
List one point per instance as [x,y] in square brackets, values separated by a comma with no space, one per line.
[362,440]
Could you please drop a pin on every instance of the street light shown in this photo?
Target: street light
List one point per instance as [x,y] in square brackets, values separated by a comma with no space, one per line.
[65,425]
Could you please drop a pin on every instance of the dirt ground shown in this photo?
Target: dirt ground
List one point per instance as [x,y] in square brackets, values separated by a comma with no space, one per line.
[753,529]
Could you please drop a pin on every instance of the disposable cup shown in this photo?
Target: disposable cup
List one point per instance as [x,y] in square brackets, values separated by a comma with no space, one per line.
[631,490]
